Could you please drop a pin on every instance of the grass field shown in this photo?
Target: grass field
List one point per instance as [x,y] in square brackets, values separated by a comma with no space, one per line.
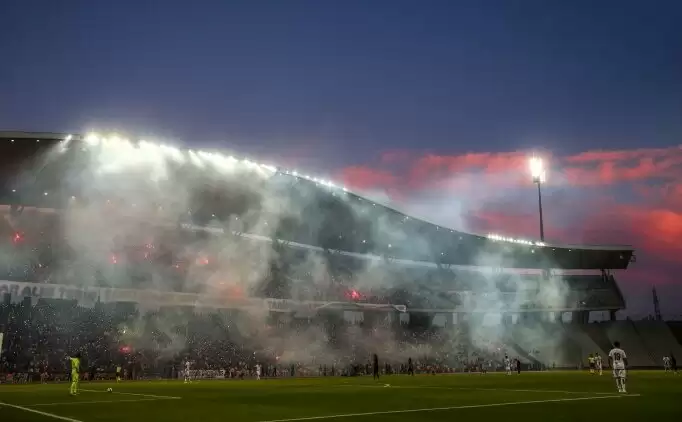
[555,396]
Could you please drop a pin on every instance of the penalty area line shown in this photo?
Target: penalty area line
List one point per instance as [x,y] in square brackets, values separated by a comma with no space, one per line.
[38,412]
[436,409]
[133,394]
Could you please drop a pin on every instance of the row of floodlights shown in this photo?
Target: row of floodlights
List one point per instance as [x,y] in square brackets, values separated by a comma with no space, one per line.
[94,139]
[499,238]
[199,157]
[66,139]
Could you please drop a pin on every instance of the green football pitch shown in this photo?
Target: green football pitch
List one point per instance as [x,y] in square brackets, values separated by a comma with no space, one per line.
[529,397]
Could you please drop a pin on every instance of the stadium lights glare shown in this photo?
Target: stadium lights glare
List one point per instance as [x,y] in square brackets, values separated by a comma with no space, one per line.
[92,139]
[537,170]
[64,143]
[195,159]
[500,238]
[198,158]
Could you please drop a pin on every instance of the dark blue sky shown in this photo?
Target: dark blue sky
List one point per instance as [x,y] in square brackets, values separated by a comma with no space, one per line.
[343,80]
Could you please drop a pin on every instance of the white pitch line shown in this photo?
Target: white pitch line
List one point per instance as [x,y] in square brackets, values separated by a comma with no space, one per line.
[65,403]
[433,387]
[38,412]
[435,409]
[537,391]
[133,394]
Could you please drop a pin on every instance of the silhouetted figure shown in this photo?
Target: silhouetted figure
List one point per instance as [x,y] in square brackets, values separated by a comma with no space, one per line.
[375,366]
[673,363]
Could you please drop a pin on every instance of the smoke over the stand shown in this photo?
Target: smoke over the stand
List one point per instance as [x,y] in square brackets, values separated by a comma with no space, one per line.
[124,227]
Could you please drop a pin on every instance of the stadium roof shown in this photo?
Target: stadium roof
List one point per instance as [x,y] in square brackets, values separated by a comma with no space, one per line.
[456,248]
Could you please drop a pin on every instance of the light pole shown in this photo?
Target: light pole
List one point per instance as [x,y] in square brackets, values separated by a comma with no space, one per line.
[537,172]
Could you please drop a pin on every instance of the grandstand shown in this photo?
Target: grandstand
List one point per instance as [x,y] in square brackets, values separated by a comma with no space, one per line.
[149,254]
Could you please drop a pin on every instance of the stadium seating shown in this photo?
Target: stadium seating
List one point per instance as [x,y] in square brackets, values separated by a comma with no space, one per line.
[630,340]
[537,343]
[580,344]
[598,335]
[676,330]
[658,340]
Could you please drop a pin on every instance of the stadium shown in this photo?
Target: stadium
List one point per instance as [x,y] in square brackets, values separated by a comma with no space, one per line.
[145,256]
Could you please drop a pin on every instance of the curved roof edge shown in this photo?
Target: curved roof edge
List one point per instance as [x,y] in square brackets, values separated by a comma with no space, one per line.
[38,135]
[488,238]
[519,242]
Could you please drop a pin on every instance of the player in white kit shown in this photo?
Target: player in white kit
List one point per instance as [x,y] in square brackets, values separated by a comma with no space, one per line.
[258,370]
[599,365]
[507,365]
[666,364]
[619,361]
[188,367]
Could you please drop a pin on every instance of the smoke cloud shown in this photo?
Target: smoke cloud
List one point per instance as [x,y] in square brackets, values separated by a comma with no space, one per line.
[153,217]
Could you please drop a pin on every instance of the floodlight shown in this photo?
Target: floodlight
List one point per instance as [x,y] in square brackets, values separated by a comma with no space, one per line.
[194,158]
[537,170]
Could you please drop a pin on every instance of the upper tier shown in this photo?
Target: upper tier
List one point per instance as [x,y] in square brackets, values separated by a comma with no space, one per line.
[51,169]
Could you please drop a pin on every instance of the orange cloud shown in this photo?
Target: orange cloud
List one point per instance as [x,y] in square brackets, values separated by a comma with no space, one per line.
[598,156]
[590,168]
[657,231]
[432,166]
[367,178]
[607,167]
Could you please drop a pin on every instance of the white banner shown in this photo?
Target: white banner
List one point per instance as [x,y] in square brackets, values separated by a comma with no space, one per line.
[204,374]
[89,296]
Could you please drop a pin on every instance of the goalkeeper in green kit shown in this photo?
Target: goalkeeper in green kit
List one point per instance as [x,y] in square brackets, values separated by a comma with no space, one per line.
[75,373]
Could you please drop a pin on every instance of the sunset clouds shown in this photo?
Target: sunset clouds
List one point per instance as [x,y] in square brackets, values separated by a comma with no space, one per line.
[597,196]
[589,168]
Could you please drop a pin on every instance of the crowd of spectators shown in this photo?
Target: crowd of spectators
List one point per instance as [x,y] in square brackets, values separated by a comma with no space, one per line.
[39,337]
